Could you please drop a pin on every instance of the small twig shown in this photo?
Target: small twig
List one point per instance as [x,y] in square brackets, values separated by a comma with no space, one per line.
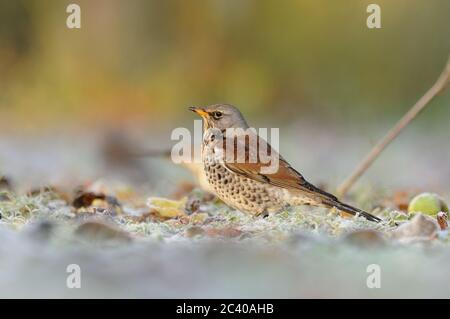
[437,88]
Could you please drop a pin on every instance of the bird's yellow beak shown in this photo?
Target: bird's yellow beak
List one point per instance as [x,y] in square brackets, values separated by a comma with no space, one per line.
[200,111]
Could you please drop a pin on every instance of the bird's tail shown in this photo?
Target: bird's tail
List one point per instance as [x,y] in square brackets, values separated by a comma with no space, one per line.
[351,210]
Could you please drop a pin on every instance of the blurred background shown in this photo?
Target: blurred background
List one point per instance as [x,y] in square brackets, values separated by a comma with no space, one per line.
[75,103]
[310,67]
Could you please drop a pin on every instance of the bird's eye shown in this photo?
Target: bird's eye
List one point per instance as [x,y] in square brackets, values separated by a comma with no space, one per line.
[217,115]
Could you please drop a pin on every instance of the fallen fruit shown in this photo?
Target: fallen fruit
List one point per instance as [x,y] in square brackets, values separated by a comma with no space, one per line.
[427,203]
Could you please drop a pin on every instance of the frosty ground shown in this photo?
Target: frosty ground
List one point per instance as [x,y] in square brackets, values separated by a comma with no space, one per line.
[196,246]
[214,252]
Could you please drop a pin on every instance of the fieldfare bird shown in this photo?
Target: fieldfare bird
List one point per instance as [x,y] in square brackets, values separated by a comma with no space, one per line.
[247,184]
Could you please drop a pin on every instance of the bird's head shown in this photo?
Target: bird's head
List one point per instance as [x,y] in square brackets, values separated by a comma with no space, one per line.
[220,116]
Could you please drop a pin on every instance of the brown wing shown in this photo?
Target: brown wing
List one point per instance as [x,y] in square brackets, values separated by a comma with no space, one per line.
[285,176]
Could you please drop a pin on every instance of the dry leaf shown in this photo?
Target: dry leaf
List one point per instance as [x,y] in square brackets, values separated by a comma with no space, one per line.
[223,232]
[365,238]
[100,231]
[401,200]
[182,190]
[194,231]
[442,220]
[199,218]
[86,199]
[420,227]
[166,207]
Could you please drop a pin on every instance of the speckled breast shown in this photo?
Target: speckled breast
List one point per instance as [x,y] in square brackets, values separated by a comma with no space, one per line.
[239,192]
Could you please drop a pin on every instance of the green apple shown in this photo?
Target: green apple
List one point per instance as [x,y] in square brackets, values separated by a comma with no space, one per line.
[427,203]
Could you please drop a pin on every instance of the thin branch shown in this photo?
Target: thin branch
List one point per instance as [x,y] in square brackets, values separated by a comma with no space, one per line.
[438,87]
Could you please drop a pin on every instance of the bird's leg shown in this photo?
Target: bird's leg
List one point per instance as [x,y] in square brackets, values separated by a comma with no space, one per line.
[264,213]
[267,211]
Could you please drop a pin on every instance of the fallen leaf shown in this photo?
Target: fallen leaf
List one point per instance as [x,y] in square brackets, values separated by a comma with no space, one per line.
[151,215]
[192,205]
[194,231]
[365,238]
[401,200]
[5,188]
[182,189]
[420,227]
[442,218]
[223,232]
[199,218]
[86,199]
[5,184]
[166,207]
